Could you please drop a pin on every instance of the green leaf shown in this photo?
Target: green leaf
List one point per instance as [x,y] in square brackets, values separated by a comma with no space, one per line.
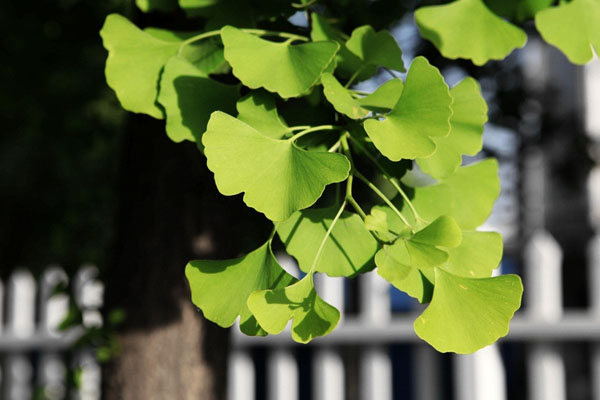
[573,28]
[347,252]
[156,5]
[468,29]
[286,69]
[189,96]
[422,112]
[278,178]
[375,48]
[518,9]
[383,99]
[207,55]
[135,60]
[466,131]
[408,263]
[478,254]
[258,110]
[347,62]
[220,288]
[467,314]
[311,315]
[467,195]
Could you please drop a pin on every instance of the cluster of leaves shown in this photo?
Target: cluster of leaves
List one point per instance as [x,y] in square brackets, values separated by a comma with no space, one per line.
[228,86]
[476,29]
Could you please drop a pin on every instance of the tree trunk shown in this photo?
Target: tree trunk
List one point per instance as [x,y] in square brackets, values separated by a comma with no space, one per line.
[169,213]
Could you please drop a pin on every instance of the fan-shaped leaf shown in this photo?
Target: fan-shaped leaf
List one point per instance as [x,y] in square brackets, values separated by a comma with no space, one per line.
[221,288]
[423,111]
[258,110]
[466,129]
[375,48]
[348,251]
[277,177]
[478,254]
[573,28]
[135,59]
[311,315]
[289,70]
[467,314]
[468,29]
[189,96]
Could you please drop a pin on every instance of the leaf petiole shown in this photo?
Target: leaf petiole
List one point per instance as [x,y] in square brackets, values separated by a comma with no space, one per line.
[259,32]
[313,129]
[327,234]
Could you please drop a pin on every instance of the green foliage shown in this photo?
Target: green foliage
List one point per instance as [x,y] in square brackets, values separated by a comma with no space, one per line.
[423,239]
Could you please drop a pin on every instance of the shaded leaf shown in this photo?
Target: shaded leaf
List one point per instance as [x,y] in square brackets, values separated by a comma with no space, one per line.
[467,314]
[278,178]
[130,49]
[573,28]
[468,29]
[156,5]
[349,250]
[258,110]
[466,131]
[289,70]
[422,112]
[220,288]
[375,48]
[311,316]
[518,9]
[189,96]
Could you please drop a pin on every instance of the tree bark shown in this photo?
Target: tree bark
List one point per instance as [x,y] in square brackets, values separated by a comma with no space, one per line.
[169,213]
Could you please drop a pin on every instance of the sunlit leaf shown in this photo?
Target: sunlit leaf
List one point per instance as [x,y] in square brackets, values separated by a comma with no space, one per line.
[467,314]
[573,28]
[258,110]
[189,96]
[468,29]
[408,263]
[348,250]
[478,254]
[375,48]
[135,60]
[220,288]
[287,69]
[467,195]
[422,112]
[278,178]
[466,129]
[311,316]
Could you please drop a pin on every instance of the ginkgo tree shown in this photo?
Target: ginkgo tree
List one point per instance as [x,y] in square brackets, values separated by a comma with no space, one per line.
[300,171]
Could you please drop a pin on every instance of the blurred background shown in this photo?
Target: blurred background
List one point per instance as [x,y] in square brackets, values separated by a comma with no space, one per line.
[100,212]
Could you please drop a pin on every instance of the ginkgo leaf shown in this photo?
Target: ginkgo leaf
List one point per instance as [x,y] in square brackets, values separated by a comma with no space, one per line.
[408,263]
[467,314]
[135,60]
[311,316]
[422,112]
[158,5]
[278,178]
[220,288]
[468,29]
[466,131]
[348,251]
[478,254]
[573,28]
[347,63]
[383,99]
[258,110]
[467,195]
[289,70]
[207,56]
[375,48]
[518,9]
[184,95]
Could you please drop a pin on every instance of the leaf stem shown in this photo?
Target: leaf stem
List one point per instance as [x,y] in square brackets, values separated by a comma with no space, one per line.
[327,234]
[383,197]
[272,235]
[349,198]
[388,177]
[313,129]
[354,76]
[298,128]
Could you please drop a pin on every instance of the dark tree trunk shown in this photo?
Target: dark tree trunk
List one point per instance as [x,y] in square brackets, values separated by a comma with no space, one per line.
[169,213]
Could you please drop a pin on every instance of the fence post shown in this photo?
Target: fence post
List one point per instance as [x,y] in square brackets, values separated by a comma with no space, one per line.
[375,363]
[241,376]
[543,263]
[328,366]
[21,324]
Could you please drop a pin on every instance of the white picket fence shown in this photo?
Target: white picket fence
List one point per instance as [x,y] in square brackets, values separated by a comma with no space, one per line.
[36,356]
